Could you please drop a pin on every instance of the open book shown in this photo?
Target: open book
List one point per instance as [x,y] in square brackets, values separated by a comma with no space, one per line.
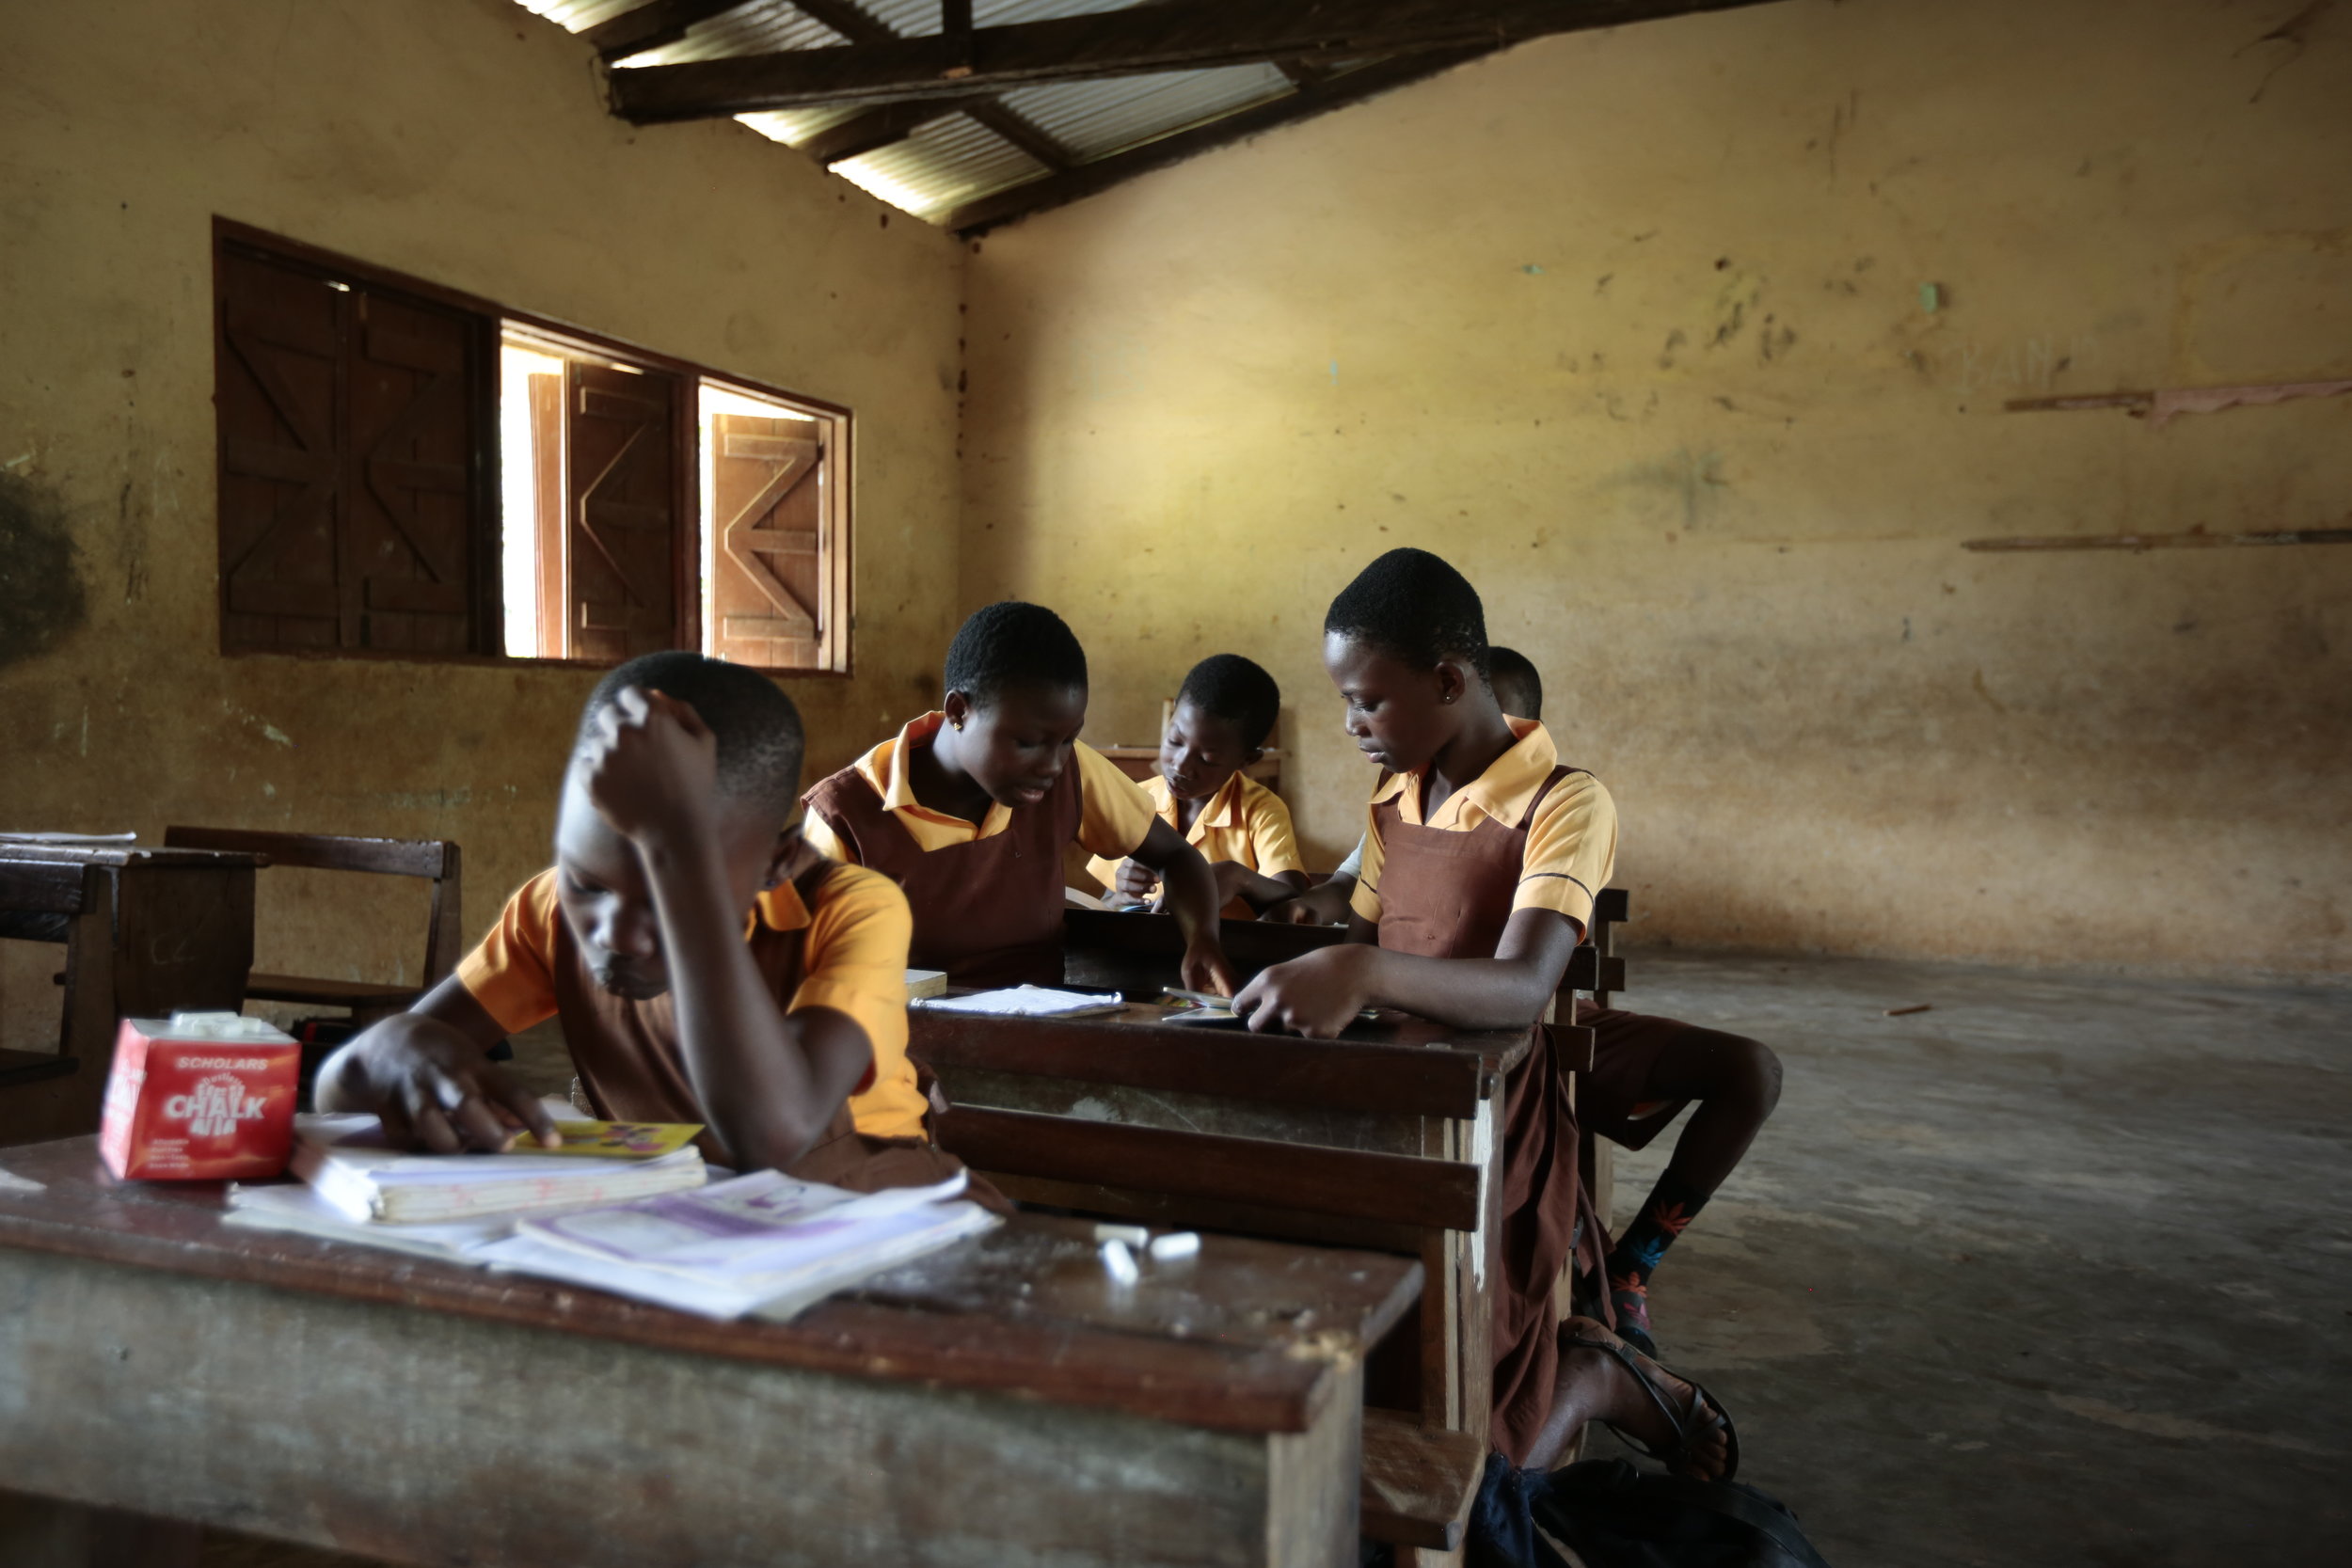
[1026,1002]
[765,1244]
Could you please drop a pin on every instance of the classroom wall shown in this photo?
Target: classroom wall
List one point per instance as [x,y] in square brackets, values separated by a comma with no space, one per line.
[1689,342]
[465,142]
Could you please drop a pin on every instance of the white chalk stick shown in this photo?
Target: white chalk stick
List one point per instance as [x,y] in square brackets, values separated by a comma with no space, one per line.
[1179,1243]
[1119,1263]
[1133,1235]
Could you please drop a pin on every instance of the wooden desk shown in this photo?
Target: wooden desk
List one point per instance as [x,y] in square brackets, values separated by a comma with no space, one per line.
[147,932]
[1386,1138]
[1001,1402]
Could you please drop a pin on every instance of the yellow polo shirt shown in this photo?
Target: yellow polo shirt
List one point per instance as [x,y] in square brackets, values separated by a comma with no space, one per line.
[1243,821]
[853,960]
[1114,813]
[1571,845]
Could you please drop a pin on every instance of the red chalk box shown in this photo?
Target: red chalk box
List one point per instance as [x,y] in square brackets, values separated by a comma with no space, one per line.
[203,1097]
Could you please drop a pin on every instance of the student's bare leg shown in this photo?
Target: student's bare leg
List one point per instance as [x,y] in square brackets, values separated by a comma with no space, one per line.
[1736,1082]
[1593,1385]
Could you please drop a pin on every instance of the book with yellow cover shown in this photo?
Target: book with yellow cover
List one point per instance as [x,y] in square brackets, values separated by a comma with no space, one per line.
[613,1140]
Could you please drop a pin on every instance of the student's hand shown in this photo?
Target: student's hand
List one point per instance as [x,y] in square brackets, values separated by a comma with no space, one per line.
[651,767]
[1231,877]
[1323,905]
[1139,883]
[433,1088]
[1316,994]
[1205,968]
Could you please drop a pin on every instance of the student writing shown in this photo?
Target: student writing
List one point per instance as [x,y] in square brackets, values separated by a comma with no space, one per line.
[968,809]
[707,966]
[1646,1070]
[1217,727]
[1481,856]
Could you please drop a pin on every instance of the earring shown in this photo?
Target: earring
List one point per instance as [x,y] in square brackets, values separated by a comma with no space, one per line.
[956,724]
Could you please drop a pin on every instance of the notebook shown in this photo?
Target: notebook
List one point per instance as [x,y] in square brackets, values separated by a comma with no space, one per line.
[764,1244]
[1026,1002]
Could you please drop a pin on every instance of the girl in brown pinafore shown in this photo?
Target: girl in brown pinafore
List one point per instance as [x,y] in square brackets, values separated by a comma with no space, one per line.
[968,809]
[1477,878]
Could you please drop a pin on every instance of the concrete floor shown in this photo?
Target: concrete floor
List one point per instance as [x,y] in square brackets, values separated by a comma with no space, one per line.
[2058,1272]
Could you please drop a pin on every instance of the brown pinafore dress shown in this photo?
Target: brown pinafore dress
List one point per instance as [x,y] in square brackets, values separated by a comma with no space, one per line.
[988,912]
[627,1055]
[1448,895]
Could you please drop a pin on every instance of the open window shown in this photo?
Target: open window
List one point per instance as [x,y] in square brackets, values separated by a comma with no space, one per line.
[407,470]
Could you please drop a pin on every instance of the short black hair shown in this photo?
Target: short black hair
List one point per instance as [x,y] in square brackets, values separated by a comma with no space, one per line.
[1012,644]
[1509,668]
[1411,605]
[1229,687]
[757,728]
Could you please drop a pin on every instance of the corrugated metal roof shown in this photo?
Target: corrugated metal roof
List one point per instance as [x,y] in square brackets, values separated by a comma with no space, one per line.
[955,159]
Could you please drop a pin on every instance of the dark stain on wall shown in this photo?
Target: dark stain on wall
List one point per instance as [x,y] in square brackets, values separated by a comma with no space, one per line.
[42,601]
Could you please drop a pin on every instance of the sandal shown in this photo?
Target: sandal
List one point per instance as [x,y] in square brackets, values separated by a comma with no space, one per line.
[1688,1428]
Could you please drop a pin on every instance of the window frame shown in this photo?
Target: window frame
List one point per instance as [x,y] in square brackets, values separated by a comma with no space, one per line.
[837,645]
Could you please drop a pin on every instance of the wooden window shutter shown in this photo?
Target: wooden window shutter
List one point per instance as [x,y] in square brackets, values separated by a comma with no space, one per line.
[623,446]
[355,439]
[768,603]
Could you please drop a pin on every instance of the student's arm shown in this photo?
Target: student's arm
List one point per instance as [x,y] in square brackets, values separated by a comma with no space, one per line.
[1188,891]
[767,1084]
[424,1072]
[1236,881]
[1326,905]
[1319,993]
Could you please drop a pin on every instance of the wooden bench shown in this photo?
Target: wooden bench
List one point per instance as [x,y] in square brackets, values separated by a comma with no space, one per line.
[437,860]
[1419,1483]
[147,932]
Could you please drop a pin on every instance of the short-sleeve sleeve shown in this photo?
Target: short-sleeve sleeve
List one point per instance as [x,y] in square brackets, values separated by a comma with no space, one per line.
[856,964]
[1114,814]
[1365,900]
[821,838]
[511,973]
[1273,843]
[1571,849]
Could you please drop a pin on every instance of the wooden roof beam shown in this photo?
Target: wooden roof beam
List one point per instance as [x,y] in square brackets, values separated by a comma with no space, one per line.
[879,128]
[851,22]
[989,212]
[1195,35]
[650,26]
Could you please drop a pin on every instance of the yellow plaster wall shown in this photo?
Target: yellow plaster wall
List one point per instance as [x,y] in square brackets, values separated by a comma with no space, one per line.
[461,141]
[1630,327]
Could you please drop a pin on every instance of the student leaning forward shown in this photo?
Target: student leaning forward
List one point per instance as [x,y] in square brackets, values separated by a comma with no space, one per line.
[1480,855]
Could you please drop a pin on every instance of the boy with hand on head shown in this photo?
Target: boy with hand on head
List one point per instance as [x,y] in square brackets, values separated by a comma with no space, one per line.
[707,966]
[968,809]
[1223,714]
[1480,861]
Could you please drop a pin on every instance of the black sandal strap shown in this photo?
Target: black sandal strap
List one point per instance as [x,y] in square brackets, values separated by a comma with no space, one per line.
[1687,1426]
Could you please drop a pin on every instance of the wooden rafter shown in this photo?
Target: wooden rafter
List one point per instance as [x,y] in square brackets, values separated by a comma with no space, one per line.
[650,26]
[1143,40]
[977,218]
[851,22]
[879,128]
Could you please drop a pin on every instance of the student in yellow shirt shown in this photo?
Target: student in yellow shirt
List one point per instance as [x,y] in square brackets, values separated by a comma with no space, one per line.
[1482,855]
[1223,714]
[707,964]
[968,809]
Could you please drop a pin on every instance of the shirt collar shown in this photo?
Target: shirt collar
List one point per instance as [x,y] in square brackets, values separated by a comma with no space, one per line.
[779,908]
[1503,791]
[885,769]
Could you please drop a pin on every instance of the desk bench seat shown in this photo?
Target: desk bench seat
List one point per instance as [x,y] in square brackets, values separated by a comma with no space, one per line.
[1418,1481]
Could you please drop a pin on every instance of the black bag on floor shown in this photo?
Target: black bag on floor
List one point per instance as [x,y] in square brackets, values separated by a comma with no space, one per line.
[1612,1515]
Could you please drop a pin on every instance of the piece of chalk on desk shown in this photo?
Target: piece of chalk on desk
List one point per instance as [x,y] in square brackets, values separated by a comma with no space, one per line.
[1119,1263]
[1133,1235]
[1178,1243]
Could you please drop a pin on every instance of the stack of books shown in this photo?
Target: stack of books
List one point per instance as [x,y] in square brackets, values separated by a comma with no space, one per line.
[763,1245]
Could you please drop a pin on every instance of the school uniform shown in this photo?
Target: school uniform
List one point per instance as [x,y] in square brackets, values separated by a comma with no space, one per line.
[987,898]
[1529,833]
[835,937]
[1244,821]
